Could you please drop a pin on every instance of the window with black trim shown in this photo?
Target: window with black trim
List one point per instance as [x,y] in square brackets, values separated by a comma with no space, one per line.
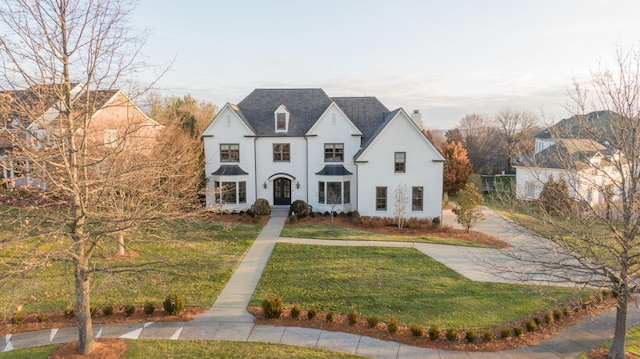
[400,159]
[334,152]
[347,192]
[229,152]
[320,192]
[281,152]
[417,198]
[242,192]
[381,198]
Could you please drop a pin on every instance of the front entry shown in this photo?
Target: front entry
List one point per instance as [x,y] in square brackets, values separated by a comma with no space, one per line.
[281,191]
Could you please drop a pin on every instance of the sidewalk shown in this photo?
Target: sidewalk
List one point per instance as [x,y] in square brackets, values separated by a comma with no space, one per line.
[228,319]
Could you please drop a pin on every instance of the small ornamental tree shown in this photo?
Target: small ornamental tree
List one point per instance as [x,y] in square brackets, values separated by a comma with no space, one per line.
[457,168]
[468,210]
[554,198]
[401,201]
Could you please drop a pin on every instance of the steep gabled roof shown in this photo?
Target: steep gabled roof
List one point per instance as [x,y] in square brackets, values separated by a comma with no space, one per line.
[366,113]
[305,107]
[25,106]
[566,154]
[595,126]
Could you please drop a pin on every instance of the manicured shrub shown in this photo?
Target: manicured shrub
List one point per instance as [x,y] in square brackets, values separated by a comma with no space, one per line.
[355,217]
[272,306]
[434,332]
[129,310]
[293,219]
[107,310]
[558,314]
[173,304]
[373,321]
[566,310]
[452,334]
[488,336]
[416,329]
[471,335]
[537,321]
[435,222]
[295,311]
[299,208]
[41,317]
[256,218]
[606,293]
[392,325]
[531,326]
[505,333]
[352,316]
[261,207]
[148,308]
[548,316]
[330,317]
[93,311]
[312,312]
[18,318]
[69,312]
[517,331]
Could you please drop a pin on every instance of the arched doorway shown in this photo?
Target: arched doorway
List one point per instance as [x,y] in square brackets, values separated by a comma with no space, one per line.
[281,191]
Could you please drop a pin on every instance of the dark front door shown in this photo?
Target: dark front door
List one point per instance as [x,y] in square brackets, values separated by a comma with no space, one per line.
[281,191]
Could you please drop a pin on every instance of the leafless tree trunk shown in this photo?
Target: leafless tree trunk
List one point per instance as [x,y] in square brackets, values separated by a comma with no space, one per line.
[400,203]
[515,127]
[594,243]
[60,61]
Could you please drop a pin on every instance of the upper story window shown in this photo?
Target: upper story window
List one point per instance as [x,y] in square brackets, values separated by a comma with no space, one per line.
[400,162]
[110,138]
[281,152]
[282,119]
[229,152]
[334,152]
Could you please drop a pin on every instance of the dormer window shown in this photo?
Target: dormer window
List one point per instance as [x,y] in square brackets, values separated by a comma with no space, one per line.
[282,119]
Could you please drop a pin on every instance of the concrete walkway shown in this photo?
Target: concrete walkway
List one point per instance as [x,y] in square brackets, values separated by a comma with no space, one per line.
[228,319]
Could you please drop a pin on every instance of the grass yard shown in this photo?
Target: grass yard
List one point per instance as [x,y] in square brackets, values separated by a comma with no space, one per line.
[335,232]
[156,349]
[191,257]
[398,282]
[632,344]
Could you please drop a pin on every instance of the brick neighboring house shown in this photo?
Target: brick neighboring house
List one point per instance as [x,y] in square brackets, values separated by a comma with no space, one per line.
[29,119]
[336,153]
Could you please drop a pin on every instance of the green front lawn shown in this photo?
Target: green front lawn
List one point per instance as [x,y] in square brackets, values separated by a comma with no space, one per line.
[192,257]
[336,232]
[196,349]
[400,282]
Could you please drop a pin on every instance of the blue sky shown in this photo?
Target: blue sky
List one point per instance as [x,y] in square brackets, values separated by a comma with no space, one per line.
[445,58]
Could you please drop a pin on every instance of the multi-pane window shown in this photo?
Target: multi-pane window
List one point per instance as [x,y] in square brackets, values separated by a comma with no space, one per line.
[281,152]
[281,122]
[230,192]
[417,198]
[400,162]
[229,152]
[381,198]
[530,189]
[110,138]
[347,192]
[334,152]
[320,192]
[334,192]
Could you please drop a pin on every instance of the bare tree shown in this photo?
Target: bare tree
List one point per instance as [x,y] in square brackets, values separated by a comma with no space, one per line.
[400,203]
[516,129]
[479,139]
[100,175]
[595,241]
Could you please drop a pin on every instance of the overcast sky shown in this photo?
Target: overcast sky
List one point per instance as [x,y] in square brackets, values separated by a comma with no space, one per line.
[445,58]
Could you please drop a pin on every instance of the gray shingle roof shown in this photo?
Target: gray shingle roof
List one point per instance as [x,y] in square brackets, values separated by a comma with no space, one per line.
[566,154]
[367,113]
[305,107]
[334,170]
[229,170]
[595,125]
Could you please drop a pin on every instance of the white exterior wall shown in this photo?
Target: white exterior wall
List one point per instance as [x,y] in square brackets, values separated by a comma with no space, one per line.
[266,167]
[332,127]
[377,170]
[227,127]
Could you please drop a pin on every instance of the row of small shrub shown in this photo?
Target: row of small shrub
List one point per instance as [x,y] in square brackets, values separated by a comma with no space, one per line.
[173,305]
[272,307]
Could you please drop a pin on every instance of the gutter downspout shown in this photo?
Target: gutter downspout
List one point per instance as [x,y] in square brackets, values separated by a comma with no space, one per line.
[308,185]
[255,170]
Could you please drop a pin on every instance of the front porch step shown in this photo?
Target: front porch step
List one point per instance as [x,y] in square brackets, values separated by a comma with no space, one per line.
[279,211]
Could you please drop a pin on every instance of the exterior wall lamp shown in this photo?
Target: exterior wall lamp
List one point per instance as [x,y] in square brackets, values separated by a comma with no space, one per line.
[264,185]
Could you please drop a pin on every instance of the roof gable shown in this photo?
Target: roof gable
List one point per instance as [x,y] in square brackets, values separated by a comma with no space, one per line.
[366,113]
[227,110]
[595,126]
[305,107]
[333,105]
[567,154]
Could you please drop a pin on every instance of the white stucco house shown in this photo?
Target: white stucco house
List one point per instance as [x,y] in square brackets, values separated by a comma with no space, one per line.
[577,151]
[335,153]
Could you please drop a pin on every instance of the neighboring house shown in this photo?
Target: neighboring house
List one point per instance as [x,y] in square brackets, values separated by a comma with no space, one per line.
[578,151]
[29,123]
[337,154]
